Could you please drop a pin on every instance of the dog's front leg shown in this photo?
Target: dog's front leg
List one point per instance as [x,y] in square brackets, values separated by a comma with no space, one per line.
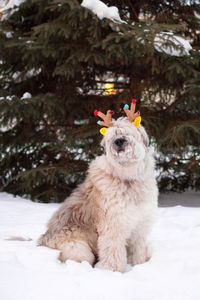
[137,250]
[112,251]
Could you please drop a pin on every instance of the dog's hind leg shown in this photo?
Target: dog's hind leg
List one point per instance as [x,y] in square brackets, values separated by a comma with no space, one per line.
[78,251]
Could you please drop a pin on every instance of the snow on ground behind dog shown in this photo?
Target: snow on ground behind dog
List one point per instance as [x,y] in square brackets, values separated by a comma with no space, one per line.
[28,272]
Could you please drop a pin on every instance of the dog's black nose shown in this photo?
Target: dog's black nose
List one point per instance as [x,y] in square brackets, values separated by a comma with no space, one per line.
[119,142]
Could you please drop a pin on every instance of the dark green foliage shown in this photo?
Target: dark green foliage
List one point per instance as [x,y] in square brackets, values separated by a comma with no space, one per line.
[62,54]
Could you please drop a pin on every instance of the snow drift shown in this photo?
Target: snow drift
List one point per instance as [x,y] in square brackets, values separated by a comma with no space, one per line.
[29,272]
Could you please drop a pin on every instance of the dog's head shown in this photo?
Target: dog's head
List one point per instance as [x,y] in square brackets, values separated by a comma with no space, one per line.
[124,143]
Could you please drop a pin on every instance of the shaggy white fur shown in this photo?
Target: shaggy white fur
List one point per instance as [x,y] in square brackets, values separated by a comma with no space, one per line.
[109,216]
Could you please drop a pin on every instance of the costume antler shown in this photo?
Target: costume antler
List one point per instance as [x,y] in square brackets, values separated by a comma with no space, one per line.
[107,120]
[131,115]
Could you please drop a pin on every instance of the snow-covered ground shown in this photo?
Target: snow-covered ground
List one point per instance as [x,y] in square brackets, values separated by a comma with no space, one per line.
[28,272]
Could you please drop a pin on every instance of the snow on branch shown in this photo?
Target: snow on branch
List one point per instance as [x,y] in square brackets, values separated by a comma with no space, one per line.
[167,42]
[12,3]
[102,10]
[11,7]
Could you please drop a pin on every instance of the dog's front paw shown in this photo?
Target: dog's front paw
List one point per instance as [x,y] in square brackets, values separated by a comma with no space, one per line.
[140,257]
[112,266]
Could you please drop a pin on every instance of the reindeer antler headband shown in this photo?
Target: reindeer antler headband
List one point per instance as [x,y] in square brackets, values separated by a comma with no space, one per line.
[107,119]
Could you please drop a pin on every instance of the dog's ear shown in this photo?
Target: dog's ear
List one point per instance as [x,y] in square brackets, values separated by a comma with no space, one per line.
[144,135]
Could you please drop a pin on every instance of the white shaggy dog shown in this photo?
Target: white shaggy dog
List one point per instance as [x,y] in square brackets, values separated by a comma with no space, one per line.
[108,217]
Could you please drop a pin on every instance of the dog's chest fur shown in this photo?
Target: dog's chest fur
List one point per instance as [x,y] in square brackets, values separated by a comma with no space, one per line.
[129,202]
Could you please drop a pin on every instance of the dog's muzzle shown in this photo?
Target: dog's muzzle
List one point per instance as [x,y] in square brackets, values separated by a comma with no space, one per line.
[119,143]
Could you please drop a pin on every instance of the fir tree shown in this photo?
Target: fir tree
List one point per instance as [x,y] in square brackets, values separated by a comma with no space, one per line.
[56,56]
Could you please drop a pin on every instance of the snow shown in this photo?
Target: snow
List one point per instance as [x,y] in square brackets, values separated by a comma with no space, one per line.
[2,3]
[96,6]
[26,95]
[29,272]
[181,46]
[102,10]
[12,4]
[11,7]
